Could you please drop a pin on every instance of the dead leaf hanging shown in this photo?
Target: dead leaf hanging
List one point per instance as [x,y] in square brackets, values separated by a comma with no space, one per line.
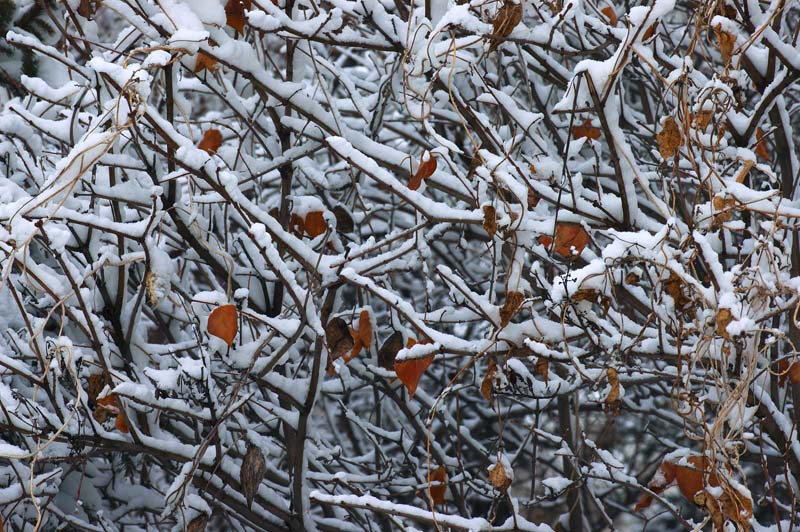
[223,322]
[487,385]
[389,350]
[252,472]
[610,14]
[505,21]
[235,13]
[490,220]
[437,492]
[362,337]
[211,141]
[410,371]
[569,236]
[315,224]
[427,167]
[198,524]
[338,340]
[761,144]
[586,130]
[726,42]
[669,139]
[205,62]
[510,307]
[499,478]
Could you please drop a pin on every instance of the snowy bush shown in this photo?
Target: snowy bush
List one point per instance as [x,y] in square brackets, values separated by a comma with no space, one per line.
[380,265]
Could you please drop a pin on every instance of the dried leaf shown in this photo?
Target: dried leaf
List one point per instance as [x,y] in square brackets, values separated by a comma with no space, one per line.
[787,370]
[586,130]
[344,222]
[487,385]
[632,278]
[533,198]
[437,492]
[426,168]
[198,524]
[726,42]
[542,368]
[613,380]
[608,11]
[490,220]
[669,139]
[499,477]
[338,339]
[95,384]
[120,424]
[569,235]
[703,118]
[761,144]
[673,286]
[205,61]
[362,337]
[586,294]
[505,21]
[234,10]
[389,350]
[724,317]
[211,141]
[315,224]
[649,32]
[223,322]
[410,371]
[252,472]
[296,225]
[724,208]
[88,8]
[510,307]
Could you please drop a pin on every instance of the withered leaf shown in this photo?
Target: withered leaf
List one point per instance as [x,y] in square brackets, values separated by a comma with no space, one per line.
[338,338]
[533,198]
[650,31]
[542,368]
[315,224]
[761,144]
[426,168]
[490,220]
[586,130]
[362,337]
[252,472]
[632,278]
[223,322]
[344,222]
[568,235]
[505,21]
[198,524]
[389,350]
[211,141]
[669,139]
[96,383]
[788,370]
[410,371]
[610,14]
[510,307]
[723,319]
[487,385]
[613,381]
[499,477]
[673,286]
[296,225]
[205,62]
[235,13]
[437,492]
[726,42]
[87,8]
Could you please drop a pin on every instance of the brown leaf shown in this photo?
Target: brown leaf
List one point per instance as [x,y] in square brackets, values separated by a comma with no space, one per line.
[649,32]
[669,139]
[787,370]
[490,220]
[437,493]
[425,170]
[344,222]
[205,61]
[211,141]
[510,307]
[198,524]
[223,322]
[252,472]
[362,337]
[389,350]
[761,144]
[613,380]
[505,21]
[487,385]
[499,477]
[533,198]
[724,208]
[586,130]
[88,8]
[608,11]
[120,424]
[632,278]
[95,384]
[315,224]
[703,118]
[234,10]
[724,317]
[726,42]
[410,371]
[567,236]
[542,368]
[338,339]
[296,225]
[673,286]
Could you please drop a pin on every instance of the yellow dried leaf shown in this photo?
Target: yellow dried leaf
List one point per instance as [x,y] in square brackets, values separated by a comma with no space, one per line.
[499,477]
[724,317]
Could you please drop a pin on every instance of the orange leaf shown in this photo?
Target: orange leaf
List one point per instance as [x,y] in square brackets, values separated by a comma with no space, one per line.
[234,10]
[108,402]
[789,371]
[120,424]
[437,492]
[568,235]
[545,240]
[361,337]
[205,61]
[425,170]
[410,372]
[211,141]
[761,144]
[296,225]
[586,130]
[487,386]
[608,11]
[315,224]
[649,32]
[223,322]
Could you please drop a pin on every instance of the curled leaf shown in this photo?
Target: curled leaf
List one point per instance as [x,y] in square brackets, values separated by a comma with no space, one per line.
[223,322]
[490,220]
[542,368]
[724,317]
[487,385]
[426,168]
[610,14]
[205,62]
[389,350]
[362,337]
[338,340]
[507,18]
[510,307]
[613,381]
[726,42]
[198,524]
[669,139]
[252,472]
[235,13]
[761,148]
[499,478]
[788,370]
